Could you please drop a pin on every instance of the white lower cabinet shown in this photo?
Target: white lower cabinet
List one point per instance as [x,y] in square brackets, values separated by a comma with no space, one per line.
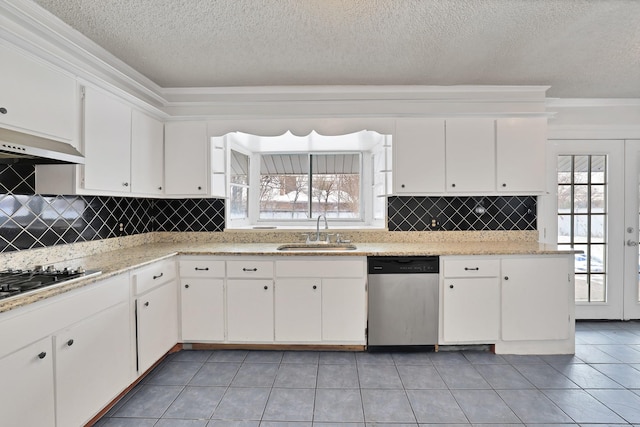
[344,314]
[534,299]
[298,310]
[471,310]
[65,358]
[202,308]
[250,310]
[157,324]
[27,386]
[91,367]
[523,304]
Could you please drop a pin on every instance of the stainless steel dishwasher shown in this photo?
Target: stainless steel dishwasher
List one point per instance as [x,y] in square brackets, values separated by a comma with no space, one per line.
[403,301]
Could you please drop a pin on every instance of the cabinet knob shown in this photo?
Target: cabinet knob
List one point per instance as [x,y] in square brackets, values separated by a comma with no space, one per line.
[315,287]
[4,111]
[199,187]
[453,185]
[402,185]
[146,304]
[504,185]
[450,286]
[506,277]
[70,342]
[44,353]
[266,287]
[125,184]
[158,276]
[186,286]
[160,188]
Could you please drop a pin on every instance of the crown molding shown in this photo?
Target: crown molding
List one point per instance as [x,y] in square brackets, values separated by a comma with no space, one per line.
[35,30]
[592,102]
[593,132]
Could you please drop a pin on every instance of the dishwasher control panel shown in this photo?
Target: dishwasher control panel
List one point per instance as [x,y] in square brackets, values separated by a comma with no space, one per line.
[404,265]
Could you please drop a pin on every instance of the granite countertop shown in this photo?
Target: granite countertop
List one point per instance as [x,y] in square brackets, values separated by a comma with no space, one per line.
[114,262]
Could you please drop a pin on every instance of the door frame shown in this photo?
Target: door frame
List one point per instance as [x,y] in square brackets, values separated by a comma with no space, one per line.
[632,204]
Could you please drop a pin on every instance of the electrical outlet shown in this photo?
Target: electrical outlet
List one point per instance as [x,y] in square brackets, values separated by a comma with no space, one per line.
[435,223]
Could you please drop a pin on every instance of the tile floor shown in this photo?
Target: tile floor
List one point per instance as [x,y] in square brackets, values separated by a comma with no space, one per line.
[600,386]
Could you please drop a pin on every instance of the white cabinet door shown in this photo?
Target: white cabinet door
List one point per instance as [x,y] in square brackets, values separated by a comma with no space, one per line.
[93,364]
[250,310]
[107,142]
[157,320]
[37,98]
[471,310]
[419,156]
[343,310]
[535,298]
[147,154]
[521,147]
[202,303]
[298,314]
[470,155]
[27,386]
[186,158]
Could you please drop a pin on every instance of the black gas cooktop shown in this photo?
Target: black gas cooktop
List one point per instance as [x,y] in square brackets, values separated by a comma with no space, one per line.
[19,282]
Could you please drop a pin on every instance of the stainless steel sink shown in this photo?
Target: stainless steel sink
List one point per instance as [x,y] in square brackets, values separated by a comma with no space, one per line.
[316,247]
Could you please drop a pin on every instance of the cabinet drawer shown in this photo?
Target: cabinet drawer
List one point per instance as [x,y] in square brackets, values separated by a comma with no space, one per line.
[326,268]
[201,268]
[154,275]
[470,267]
[250,268]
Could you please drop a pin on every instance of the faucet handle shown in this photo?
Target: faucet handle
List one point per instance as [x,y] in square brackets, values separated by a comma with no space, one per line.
[328,238]
[307,237]
[341,240]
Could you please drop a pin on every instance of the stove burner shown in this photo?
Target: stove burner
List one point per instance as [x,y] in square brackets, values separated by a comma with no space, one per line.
[18,282]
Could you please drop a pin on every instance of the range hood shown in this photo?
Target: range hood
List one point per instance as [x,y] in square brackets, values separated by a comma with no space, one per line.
[17,147]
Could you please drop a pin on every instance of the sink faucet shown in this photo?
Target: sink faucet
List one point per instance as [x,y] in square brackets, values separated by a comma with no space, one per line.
[326,227]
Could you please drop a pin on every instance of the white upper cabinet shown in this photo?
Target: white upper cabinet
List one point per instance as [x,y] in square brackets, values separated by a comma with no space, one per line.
[147,154]
[418,156]
[35,98]
[520,153]
[470,155]
[107,142]
[186,158]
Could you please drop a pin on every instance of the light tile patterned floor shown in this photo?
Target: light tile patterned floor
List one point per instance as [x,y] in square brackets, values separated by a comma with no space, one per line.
[600,386]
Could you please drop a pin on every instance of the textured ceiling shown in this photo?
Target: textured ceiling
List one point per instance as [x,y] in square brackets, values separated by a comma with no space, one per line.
[581,48]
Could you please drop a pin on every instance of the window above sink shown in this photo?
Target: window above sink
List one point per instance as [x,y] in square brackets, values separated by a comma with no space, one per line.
[288,181]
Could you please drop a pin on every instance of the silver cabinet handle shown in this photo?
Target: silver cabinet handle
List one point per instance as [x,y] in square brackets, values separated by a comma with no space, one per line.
[631,243]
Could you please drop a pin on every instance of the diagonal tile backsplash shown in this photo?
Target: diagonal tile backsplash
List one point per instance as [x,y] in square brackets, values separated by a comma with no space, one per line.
[508,213]
[28,220]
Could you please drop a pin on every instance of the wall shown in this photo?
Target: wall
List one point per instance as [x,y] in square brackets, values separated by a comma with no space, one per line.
[30,221]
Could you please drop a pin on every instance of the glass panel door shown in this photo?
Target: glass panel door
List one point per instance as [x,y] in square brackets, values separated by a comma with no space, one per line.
[589,210]
[582,216]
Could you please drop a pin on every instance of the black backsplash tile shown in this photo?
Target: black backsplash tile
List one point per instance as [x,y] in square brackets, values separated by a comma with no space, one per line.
[28,220]
[506,213]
